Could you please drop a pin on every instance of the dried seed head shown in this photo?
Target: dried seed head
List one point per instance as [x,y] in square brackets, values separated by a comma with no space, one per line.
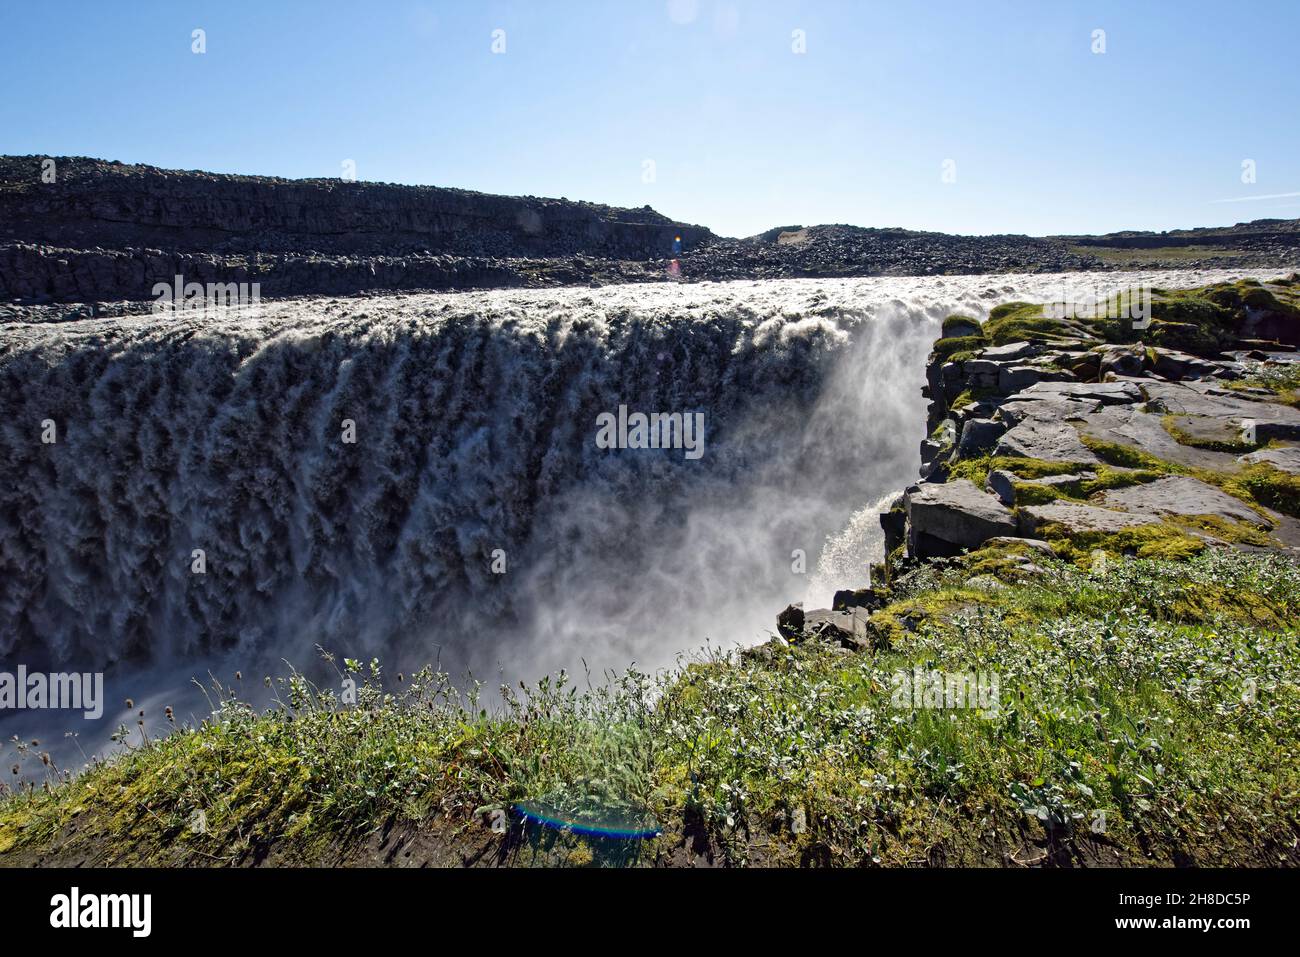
[239,676]
[45,758]
[130,705]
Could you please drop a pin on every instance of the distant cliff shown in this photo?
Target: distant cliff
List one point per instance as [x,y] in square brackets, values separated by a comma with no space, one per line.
[117,229]
[97,203]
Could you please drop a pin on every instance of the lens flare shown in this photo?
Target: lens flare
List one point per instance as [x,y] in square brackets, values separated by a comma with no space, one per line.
[620,824]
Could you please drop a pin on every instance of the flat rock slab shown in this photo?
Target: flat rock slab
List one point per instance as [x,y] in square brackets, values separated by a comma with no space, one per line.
[1034,544]
[1272,419]
[1144,431]
[1107,393]
[1050,439]
[956,513]
[1176,365]
[1011,351]
[1201,398]
[1201,429]
[1078,518]
[1046,407]
[1181,495]
[1287,460]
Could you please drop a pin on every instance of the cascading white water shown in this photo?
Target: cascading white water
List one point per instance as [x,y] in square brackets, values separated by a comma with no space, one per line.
[475,423]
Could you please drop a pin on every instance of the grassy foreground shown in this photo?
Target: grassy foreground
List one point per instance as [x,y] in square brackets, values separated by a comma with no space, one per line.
[1147,712]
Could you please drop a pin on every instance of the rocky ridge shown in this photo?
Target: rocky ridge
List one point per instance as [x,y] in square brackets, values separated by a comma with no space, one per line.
[1095,439]
[105,232]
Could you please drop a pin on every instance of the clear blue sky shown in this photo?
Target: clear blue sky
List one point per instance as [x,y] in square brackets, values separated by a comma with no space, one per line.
[1046,136]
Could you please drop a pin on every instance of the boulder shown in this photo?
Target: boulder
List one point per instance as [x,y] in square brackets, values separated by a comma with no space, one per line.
[865,599]
[959,327]
[979,436]
[1044,407]
[1014,378]
[850,628]
[982,374]
[894,524]
[789,623]
[945,519]
[1175,365]
[1122,360]
[1034,544]
[983,409]
[1002,484]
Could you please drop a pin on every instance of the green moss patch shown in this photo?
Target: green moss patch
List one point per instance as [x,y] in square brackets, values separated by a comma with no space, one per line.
[956,325]
[1022,322]
[945,349]
[977,468]
[1163,540]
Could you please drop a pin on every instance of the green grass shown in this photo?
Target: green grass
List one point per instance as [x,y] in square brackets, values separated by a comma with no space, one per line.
[1281,379]
[1207,320]
[1121,693]
[1173,537]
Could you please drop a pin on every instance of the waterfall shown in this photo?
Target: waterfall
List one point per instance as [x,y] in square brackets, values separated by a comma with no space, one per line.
[473,518]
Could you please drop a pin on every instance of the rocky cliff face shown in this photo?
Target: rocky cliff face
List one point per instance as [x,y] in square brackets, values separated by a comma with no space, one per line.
[117,229]
[1146,432]
[94,203]
[1132,434]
